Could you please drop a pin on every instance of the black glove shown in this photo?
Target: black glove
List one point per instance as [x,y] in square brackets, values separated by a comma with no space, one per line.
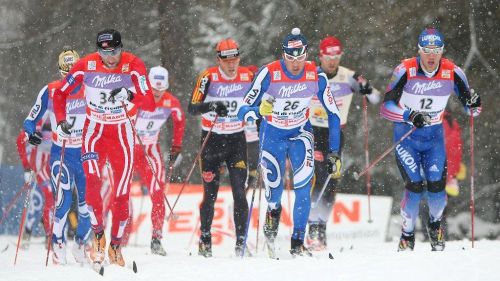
[120,94]
[334,165]
[419,119]
[219,108]
[35,138]
[174,153]
[364,85]
[63,129]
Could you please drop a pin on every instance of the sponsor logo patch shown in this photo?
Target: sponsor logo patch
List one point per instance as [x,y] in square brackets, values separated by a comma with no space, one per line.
[276,75]
[125,68]
[413,71]
[310,75]
[244,77]
[91,65]
[90,156]
[215,77]
[143,84]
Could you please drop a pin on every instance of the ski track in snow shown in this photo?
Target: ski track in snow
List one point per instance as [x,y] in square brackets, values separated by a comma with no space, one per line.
[373,261]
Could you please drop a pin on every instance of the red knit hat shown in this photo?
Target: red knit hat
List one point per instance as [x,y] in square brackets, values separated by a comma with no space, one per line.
[330,46]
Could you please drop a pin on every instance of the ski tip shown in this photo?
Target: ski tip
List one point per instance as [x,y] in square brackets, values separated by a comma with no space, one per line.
[101,271]
[134,266]
[370,221]
[330,256]
[190,254]
[355,175]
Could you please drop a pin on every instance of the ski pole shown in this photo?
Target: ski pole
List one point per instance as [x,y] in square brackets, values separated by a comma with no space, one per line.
[198,155]
[61,164]
[358,175]
[145,153]
[169,177]
[258,219]
[288,185]
[23,216]
[367,159]
[472,203]
[12,202]
[140,212]
[322,191]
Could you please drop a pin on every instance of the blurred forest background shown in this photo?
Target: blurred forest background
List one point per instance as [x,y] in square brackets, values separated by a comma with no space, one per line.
[181,35]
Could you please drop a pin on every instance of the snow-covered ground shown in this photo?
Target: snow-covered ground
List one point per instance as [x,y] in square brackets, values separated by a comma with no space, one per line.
[374,261]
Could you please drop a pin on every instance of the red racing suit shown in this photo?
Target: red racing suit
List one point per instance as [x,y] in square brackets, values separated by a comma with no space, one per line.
[108,134]
[148,126]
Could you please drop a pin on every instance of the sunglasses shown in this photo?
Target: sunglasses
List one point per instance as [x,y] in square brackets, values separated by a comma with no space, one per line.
[110,52]
[297,58]
[427,50]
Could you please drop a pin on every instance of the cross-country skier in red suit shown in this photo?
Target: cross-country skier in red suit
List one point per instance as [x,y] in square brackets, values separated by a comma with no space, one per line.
[111,77]
[148,126]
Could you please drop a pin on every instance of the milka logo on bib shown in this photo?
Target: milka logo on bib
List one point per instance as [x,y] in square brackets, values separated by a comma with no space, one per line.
[101,82]
[420,88]
[334,87]
[287,91]
[74,104]
[151,115]
[223,91]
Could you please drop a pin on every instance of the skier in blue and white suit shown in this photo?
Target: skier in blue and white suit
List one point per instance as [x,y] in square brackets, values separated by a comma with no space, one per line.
[280,95]
[72,174]
[416,99]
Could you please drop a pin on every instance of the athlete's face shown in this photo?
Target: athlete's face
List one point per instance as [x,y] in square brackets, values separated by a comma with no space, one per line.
[294,65]
[229,66]
[430,57]
[158,94]
[330,64]
[111,58]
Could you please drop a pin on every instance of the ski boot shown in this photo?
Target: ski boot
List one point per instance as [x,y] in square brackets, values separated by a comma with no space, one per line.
[406,242]
[98,246]
[205,245]
[436,235]
[79,251]
[316,238]
[115,254]
[59,253]
[298,249]
[241,249]
[157,248]
[271,230]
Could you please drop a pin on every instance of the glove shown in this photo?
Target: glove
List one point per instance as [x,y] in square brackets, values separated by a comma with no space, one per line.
[419,119]
[63,129]
[334,165]
[473,104]
[174,152]
[35,138]
[364,86]
[266,106]
[27,176]
[219,107]
[120,94]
